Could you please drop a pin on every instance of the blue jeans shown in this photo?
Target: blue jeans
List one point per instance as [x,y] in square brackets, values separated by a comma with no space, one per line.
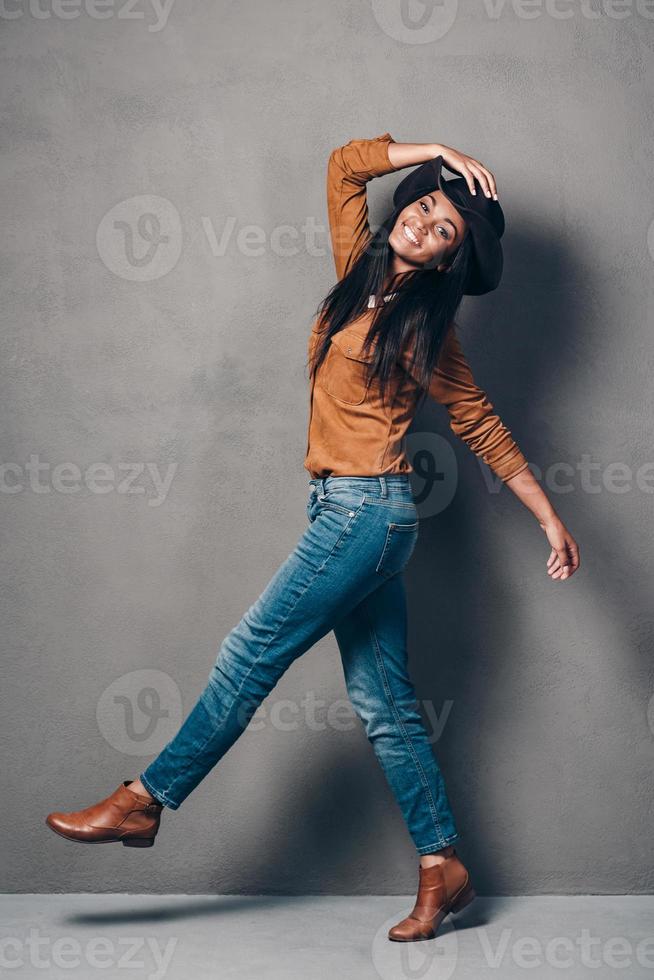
[345,575]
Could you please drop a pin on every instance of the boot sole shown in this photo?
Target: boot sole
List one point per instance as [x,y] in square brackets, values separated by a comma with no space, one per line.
[125,841]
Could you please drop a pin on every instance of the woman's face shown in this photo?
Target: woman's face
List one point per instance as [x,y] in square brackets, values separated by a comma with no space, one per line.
[427,233]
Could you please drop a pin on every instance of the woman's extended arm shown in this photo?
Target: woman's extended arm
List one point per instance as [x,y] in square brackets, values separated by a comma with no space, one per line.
[474,420]
[472,415]
[563,560]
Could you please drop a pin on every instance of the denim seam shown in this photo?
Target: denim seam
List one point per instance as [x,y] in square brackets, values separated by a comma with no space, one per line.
[161,797]
[392,528]
[328,504]
[380,563]
[389,502]
[337,508]
[407,739]
[430,848]
[255,662]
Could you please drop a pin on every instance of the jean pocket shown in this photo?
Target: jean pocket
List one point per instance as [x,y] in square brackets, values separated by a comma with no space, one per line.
[343,500]
[398,547]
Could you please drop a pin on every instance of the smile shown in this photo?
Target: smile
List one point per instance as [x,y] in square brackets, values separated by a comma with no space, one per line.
[410,236]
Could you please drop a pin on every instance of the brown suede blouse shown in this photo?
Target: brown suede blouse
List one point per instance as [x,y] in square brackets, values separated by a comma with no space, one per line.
[351,431]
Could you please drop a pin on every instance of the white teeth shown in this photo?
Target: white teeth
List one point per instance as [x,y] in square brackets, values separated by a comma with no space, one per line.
[410,235]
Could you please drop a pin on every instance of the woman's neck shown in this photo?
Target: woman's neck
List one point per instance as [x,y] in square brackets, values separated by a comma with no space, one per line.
[392,280]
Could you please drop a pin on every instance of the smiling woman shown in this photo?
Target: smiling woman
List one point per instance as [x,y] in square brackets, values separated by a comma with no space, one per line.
[353,429]
[426,234]
[383,339]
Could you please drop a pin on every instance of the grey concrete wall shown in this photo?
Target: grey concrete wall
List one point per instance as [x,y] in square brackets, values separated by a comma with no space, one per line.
[155,410]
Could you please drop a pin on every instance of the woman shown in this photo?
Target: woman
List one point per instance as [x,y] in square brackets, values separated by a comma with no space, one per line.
[373,354]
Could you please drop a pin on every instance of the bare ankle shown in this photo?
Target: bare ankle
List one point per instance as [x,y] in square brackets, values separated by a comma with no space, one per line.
[137,787]
[437,857]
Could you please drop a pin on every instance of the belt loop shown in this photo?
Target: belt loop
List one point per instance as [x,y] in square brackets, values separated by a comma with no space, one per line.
[384,488]
[321,481]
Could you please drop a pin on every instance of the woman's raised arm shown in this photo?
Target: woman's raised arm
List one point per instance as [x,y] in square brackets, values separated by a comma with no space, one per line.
[351,166]
[349,169]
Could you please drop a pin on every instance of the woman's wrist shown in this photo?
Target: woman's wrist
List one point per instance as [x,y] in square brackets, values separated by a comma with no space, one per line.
[411,154]
[528,490]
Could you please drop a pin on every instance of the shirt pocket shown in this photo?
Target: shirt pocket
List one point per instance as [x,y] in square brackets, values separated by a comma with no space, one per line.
[344,372]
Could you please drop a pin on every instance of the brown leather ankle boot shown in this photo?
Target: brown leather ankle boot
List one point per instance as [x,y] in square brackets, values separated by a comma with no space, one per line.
[123,816]
[442,889]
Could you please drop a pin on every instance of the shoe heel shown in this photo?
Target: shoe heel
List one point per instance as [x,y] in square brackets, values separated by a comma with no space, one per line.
[138,841]
[463,898]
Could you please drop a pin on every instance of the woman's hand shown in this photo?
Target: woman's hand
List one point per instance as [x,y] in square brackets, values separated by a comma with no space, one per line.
[469,168]
[409,154]
[564,556]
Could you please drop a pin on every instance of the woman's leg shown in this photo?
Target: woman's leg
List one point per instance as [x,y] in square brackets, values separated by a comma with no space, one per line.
[320,580]
[372,639]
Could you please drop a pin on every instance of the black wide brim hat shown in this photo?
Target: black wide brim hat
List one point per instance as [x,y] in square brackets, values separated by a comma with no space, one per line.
[482,214]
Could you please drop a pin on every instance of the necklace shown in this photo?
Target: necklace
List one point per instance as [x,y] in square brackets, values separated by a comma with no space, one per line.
[372,299]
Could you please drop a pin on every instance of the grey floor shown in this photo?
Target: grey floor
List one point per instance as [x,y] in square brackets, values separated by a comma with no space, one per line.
[280,938]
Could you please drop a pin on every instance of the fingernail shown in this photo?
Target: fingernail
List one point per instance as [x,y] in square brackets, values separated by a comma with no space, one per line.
[494,197]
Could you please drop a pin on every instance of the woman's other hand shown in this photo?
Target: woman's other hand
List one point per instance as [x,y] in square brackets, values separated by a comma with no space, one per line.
[564,556]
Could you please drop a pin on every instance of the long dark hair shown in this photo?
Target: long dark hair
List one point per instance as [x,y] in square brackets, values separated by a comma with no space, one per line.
[419,313]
